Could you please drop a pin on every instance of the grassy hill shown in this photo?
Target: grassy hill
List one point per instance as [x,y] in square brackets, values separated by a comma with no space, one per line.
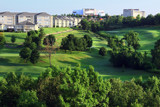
[11,62]
[148,35]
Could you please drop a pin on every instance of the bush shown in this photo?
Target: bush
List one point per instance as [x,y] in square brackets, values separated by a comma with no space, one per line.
[76,44]
[2,40]
[25,53]
[102,51]
[13,39]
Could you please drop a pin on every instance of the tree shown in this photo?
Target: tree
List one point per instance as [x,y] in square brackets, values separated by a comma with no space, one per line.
[28,41]
[2,40]
[102,51]
[74,43]
[88,40]
[28,99]
[42,33]
[157,19]
[13,39]
[33,46]
[68,86]
[50,49]
[156,54]
[35,55]
[85,24]
[149,20]
[132,39]
[25,53]
[51,39]
[32,33]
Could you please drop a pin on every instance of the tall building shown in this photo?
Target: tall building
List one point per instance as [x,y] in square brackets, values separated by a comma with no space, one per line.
[87,11]
[24,21]
[133,12]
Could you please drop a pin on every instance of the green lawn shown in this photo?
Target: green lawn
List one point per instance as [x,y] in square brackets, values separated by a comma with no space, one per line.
[19,37]
[55,30]
[11,62]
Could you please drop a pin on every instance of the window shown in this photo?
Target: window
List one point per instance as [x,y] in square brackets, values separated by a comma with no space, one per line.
[9,19]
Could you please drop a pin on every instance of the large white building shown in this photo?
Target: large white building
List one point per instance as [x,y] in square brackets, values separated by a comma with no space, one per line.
[24,21]
[133,12]
[91,12]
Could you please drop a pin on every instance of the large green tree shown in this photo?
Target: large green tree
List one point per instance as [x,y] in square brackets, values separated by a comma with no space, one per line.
[35,55]
[85,24]
[49,40]
[132,39]
[88,40]
[73,87]
[25,53]
[156,54]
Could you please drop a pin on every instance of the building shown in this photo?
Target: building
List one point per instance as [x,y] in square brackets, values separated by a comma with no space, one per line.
[133,12]
[24,21]
[44,20]
[87,12]
[25,16]
[25,26]
[64,21]
[7,20]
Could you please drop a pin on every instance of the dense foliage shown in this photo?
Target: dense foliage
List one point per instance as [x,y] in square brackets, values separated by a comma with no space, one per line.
[102,51]
[124,52]
[156,54]
[58,87]
[49,40]
[13,39]
[73,43]
[31,45]
[116,22]
[2,40]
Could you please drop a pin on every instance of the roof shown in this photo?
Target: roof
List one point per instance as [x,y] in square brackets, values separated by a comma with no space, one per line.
[26,23]
[24,14]
[43,14]
[8,13]
[66,18]
[27,14]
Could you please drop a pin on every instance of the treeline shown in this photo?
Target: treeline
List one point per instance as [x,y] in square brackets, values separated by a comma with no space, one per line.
[75,87]
[114,22]
[73,43]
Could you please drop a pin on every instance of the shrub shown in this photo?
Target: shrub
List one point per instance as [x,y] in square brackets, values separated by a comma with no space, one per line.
[102,51]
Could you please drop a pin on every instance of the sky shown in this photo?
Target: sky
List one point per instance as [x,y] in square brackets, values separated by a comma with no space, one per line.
[111,7]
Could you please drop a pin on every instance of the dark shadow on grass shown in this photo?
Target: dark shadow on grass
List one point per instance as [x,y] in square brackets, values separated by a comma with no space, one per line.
[6,62]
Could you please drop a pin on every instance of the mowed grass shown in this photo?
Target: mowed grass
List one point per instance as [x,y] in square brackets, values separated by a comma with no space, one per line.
[11,62]
[148,35]
[55,30]
[19,37]
[101,64]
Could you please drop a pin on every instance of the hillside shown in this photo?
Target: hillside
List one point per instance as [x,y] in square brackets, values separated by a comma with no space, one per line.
[11,62]
[148,35]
